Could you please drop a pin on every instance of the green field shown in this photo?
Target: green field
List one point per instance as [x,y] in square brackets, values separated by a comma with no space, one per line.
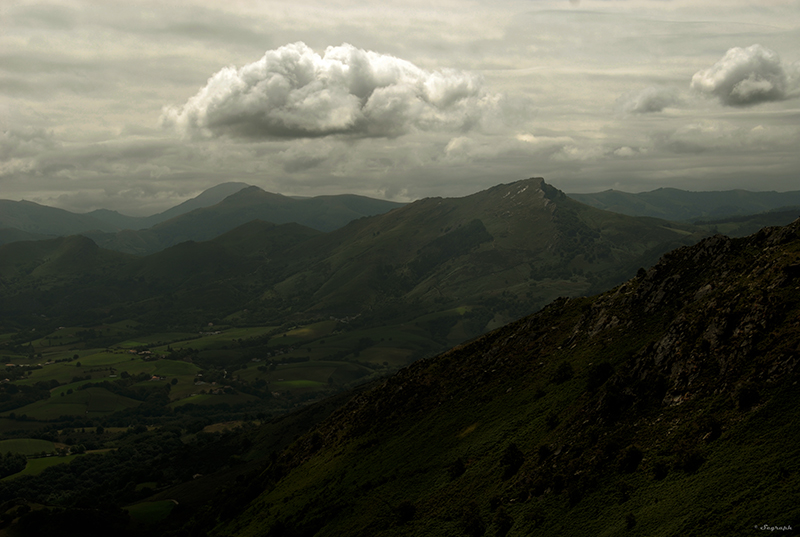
[36,466]
[89,402]
[298,384]
[26,446]
[209,400]
[150,512]
[210,340]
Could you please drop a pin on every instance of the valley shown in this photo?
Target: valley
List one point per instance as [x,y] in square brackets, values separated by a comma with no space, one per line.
[226,383]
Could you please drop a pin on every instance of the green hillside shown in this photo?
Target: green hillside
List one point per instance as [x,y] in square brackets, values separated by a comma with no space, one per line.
[665,406]
[662,407]
[493,256]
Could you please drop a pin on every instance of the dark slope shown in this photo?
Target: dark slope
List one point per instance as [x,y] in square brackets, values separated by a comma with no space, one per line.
[520,244]
[72,279]
[666,406]
[476,262]
[680,205]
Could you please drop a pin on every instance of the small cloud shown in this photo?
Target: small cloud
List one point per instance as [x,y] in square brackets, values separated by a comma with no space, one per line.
[649,100]
[625,152]
[745,77]
[293,92]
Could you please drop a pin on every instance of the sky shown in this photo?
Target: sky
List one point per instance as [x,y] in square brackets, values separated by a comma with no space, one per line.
[137,106]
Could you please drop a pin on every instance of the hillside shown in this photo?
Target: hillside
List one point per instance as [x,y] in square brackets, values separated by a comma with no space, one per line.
[209,197]
[682,205]
[475,262]
[666,406]
[31,217]
[323,213]
[204,217]
[515,246]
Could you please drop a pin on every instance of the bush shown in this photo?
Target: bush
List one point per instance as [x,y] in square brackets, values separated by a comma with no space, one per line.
[563,373]
[512,460]
[630,459]
[405,512]
[456,469]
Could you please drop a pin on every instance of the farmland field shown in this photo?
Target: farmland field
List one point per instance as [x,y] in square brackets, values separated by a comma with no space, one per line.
[37,466]
[90,402]
[26,446]
[150,512]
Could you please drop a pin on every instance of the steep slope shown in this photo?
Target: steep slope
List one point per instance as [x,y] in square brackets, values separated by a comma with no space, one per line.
[666,406]
[680,205]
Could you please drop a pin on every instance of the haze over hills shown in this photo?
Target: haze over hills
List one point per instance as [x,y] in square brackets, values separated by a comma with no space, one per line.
[683,205]
[32,218]
[735,213]
[209,197]
[32,221]
[215,211]
[495,255]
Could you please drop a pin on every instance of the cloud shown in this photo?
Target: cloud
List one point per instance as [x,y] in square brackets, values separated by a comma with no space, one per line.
[745,77]
[293,92]
[649,100]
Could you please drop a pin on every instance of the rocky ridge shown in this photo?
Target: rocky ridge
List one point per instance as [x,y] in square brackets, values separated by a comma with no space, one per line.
[663,385]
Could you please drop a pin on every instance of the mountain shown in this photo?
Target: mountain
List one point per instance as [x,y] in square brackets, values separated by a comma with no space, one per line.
[15,235]
[323,213]
[665,406]
[214,212]
[449,268]
[682,205]
[38,219]
[516,246]
[25,220]
[209,197]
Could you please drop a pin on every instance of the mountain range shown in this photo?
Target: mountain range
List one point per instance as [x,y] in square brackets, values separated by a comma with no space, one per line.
[210,214]
[665,406]
[734,212]
[681,205]
[497,254]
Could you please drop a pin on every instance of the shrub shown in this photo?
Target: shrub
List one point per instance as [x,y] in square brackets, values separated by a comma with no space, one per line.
[563,373]
[512,460]
[630,459]
[456,469]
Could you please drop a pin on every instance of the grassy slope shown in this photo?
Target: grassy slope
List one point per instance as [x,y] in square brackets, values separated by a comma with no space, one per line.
[714,460]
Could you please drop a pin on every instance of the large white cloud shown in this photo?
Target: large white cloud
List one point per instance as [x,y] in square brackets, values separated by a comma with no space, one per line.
[745,77]
[293,92]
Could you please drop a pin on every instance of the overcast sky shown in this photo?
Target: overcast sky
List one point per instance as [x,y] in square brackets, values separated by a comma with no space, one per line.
[137,105]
